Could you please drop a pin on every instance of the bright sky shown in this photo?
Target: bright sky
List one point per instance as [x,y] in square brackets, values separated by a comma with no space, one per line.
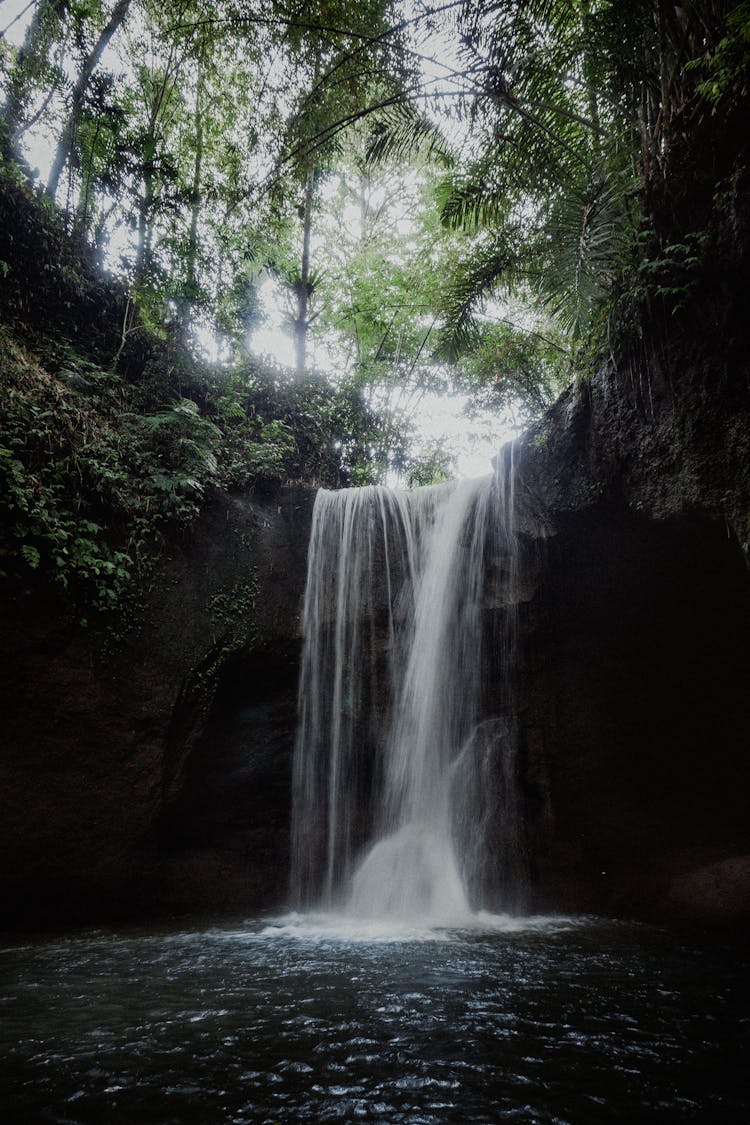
[18,14]
[438,418]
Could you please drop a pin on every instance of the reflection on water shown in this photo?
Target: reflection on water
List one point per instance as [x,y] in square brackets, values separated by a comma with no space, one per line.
[317,1019]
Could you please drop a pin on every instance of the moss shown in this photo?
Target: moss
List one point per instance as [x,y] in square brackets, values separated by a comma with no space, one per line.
[233,612]
[541,435]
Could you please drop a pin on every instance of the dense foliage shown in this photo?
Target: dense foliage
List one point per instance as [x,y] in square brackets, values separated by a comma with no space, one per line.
[107,438]
[197,146]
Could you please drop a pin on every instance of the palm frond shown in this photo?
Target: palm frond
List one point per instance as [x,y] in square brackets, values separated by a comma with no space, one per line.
[402,132]
[582,244]
[478,275]
[467,203]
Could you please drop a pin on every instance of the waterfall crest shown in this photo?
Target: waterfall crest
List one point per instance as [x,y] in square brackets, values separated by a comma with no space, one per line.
[404,802]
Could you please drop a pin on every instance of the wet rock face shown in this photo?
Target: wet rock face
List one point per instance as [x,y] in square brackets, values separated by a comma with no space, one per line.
[102,743]
[233,800]
[636,715]
[634,659]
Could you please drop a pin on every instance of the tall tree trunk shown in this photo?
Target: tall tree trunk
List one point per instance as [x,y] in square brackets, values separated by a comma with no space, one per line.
[145,208]
[589,71]
[302,323]
[82,216]
[70,128]
[195,207]
[30,58]
[665,83]
[99,234]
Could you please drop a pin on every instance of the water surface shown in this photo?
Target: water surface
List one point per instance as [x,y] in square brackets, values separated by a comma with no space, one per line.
[306,1019]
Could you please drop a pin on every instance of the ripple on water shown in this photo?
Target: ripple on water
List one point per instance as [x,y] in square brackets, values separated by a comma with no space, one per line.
[295,1019]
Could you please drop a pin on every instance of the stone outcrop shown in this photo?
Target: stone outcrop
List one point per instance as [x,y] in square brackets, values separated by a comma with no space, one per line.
[634,714]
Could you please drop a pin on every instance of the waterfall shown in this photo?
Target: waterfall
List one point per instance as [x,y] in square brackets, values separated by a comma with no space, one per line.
[405,798]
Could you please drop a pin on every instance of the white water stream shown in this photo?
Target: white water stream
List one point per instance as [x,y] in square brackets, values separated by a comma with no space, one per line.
[403,791]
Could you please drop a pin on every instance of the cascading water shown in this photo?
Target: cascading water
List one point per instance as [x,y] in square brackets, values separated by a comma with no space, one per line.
[405,803]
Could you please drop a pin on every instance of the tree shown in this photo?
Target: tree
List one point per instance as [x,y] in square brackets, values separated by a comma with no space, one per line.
[541,134]
[30,63]
[323,43]
[577,105]
[572,109]
[78,95]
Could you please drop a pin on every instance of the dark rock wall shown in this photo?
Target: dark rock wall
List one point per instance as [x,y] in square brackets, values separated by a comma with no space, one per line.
[227,823]
[104,741]
[635,698]
[636,726]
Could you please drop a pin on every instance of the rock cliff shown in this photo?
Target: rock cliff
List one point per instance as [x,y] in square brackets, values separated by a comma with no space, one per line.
[635,492]
[151,774]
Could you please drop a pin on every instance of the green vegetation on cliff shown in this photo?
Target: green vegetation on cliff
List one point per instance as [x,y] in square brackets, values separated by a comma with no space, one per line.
[110,433]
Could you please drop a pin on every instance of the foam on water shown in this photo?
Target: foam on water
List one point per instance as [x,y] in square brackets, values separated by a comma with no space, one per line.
[323,926]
